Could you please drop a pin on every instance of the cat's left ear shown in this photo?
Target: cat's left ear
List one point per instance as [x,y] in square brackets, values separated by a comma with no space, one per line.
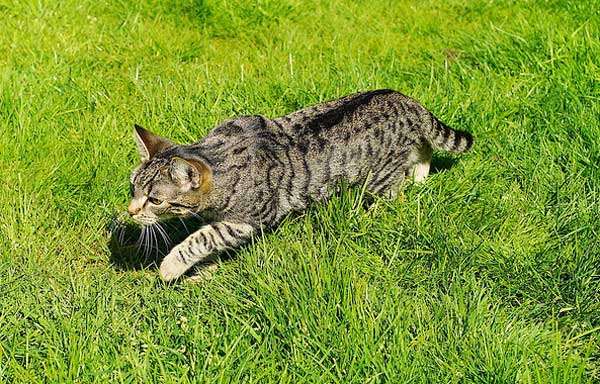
[148,143]
[190,173]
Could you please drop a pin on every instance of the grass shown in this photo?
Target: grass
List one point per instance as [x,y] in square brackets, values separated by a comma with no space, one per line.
[488,273]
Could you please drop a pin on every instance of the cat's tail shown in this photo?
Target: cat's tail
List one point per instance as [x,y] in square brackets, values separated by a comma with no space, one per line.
[441,136]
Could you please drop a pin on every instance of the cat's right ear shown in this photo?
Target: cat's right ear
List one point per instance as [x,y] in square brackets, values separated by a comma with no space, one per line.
[148,143]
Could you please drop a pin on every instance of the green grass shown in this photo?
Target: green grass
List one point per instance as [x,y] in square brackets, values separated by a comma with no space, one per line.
[488,273]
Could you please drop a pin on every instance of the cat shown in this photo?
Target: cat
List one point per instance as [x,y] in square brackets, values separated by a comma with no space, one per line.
[250,172]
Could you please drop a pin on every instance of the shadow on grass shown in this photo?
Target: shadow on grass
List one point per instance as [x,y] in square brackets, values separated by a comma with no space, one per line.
[131,249]
[134,248]
[442,162]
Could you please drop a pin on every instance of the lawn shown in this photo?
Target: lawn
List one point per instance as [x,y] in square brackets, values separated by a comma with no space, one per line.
[487,273]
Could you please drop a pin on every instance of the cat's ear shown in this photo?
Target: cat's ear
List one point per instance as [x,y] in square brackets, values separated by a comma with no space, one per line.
[190,173]
[148,143]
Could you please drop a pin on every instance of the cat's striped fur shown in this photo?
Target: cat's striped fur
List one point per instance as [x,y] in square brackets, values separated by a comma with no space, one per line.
[251,172]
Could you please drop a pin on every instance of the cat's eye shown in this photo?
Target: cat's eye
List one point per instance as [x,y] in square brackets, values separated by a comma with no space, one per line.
[154,200]
[131,189]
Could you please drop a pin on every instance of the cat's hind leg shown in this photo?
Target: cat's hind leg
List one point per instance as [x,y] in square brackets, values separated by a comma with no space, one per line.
[419,170]
[415,169]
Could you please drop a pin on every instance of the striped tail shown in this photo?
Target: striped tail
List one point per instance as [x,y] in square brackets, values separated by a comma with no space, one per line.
[441,136]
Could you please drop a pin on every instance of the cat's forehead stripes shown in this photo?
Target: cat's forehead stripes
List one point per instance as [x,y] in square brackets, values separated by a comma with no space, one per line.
[150,170]
[147,174]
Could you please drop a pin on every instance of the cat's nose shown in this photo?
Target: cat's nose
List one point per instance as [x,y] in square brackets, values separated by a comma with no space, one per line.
[133,208]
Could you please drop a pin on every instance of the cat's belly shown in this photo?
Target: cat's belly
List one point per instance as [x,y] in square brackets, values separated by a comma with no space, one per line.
[316,175]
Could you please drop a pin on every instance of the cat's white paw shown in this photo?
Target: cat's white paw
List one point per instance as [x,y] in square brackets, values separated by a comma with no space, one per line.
[171,268]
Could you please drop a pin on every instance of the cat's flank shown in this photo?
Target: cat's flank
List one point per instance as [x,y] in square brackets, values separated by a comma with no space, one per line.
[251,172]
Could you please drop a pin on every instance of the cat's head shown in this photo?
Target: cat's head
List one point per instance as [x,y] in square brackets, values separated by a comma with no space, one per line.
[166,184]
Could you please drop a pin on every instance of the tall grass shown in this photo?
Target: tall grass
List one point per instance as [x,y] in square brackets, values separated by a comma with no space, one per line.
[487,273]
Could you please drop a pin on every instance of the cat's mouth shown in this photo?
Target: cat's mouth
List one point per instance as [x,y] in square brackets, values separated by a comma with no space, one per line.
[145,220]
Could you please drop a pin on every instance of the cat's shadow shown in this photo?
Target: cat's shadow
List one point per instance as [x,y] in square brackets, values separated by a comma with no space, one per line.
[135,248]
[442,162]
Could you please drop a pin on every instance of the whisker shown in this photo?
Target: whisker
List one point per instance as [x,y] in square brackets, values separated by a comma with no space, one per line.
[140,239]
[121,230]
[194,214]
[148,245]
[115,230]
[184,226]
[164,235]
[154,240]
[141,242]
[122,235]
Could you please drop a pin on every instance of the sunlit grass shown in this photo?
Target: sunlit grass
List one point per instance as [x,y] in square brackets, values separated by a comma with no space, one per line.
[489,272]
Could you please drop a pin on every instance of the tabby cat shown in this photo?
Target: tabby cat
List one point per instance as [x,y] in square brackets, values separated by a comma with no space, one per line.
[250,172]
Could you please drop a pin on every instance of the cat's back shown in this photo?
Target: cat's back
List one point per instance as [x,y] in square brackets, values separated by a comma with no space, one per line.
[347,115]
[337,119]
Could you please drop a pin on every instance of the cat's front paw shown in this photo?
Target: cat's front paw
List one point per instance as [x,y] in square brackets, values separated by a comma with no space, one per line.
[171,268]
